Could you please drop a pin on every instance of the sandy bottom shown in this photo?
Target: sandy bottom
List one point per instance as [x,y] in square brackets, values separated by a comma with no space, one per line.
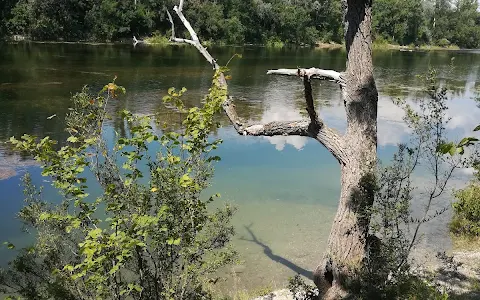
[276,240]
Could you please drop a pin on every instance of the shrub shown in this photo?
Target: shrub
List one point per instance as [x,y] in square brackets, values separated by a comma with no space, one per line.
[148,234]
[234,31]
[466,211]
[157,39]
[443,43]
[274,42]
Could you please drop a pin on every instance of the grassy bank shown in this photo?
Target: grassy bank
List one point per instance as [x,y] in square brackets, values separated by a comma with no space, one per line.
[159,40]
[388,46]
[463,243]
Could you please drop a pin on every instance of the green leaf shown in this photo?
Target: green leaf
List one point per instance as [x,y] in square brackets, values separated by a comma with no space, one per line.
[172,241]
[150,138]
[467,141]
[452,150]
[185,180]
[72,139]
[477,128]
[44,216]
[137,288]
[114,269]
[94,233]
[9,245]
[446,148]
[68,268]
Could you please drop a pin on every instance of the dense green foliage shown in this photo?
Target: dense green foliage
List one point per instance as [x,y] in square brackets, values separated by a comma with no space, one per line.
[466,209]
[466,216]
[274,22]
[148,233]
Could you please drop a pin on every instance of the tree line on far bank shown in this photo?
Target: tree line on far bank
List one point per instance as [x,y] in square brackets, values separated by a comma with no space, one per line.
[274,22]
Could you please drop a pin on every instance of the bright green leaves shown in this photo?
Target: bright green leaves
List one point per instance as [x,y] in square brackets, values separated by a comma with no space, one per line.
[466,217]
[149,219]
[452,148]
[172,159]
[112,89]
[95,233]
[72,139]
[9,245]
[175,242]
[64,165]
[185,180]
[174,98]
[445,148]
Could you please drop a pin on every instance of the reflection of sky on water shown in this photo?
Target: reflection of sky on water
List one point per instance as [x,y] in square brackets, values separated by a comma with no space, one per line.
[256,173]
[278,105]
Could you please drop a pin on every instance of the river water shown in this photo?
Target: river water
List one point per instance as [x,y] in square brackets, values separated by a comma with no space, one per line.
[286,188]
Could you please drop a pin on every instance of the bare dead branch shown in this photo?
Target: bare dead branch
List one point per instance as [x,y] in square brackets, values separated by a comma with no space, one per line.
[309,100]
[311,73]
[137,41]
[314,128]
[328,137]
[194,41]
[172,38]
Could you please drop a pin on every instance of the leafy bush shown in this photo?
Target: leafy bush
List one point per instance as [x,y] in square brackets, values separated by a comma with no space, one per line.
[274,42]
[443,43]
[148,234]
[157,39]
[466,211]
[234,31]
[301,290]
[21,18]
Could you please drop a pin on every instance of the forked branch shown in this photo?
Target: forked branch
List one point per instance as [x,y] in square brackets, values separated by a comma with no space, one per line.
[314,128]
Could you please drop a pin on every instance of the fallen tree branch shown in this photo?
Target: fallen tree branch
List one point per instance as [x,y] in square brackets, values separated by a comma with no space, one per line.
[314,128]
[137,41]
[310,73]
[194,41]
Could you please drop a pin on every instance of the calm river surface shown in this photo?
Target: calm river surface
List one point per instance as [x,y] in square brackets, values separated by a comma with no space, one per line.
[286,188]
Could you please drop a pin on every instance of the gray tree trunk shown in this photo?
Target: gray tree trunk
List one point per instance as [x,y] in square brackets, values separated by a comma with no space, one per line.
[349,234]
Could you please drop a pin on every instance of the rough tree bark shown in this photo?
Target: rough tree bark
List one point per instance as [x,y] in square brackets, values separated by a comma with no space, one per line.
[348,239]
[355,150]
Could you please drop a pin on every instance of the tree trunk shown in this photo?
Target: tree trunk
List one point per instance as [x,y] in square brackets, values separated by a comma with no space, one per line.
[347,243]
[356,150]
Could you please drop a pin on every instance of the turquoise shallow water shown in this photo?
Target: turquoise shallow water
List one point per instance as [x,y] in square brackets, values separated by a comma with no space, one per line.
[286,188]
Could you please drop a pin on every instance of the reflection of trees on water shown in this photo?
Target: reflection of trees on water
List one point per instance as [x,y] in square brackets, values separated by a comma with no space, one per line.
[39,78]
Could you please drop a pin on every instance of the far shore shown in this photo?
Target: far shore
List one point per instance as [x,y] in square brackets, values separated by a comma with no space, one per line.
[318,45]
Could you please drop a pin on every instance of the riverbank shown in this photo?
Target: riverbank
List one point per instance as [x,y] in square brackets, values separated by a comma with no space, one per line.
[386,46]
[162,41]
[457,275]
